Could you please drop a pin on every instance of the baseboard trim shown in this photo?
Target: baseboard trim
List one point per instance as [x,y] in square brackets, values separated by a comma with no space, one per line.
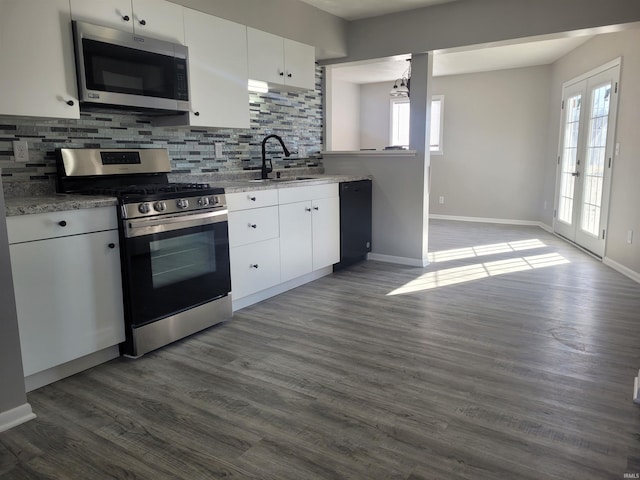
[16,416]
[503,221]
[239,303]
[53,374]
[412,262]
[618,267]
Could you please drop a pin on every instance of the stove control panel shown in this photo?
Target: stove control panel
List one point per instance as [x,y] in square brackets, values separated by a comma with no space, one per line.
[172,206]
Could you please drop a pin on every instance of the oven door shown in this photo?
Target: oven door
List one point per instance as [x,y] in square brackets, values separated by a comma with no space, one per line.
[174,263]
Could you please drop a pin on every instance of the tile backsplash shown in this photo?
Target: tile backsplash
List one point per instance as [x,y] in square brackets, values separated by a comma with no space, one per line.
[296,116]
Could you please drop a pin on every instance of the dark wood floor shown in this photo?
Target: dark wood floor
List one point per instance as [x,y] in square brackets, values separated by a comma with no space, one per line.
[509,361]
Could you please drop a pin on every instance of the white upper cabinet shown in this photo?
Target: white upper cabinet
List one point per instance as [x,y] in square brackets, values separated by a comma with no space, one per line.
[36,53]
[299,65]
[280,61]
[152,18]
[218,71]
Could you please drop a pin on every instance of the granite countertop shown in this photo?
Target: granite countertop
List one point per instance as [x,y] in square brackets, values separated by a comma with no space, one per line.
[57,202]
[26,205]
[234,186]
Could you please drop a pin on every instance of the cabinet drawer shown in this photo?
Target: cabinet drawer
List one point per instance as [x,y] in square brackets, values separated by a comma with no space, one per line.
[253,199]
[40,226]
[254,225]
[311,192]
[255,267]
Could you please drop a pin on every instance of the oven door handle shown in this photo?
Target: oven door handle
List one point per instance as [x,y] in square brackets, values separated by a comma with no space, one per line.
[168,223]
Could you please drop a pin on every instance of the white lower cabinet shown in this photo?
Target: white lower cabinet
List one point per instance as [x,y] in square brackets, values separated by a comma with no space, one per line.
[68,287]
[253,240]
[255,267]
[280,235]
[309,229]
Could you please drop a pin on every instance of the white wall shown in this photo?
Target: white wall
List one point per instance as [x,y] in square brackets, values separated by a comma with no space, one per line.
[343,107]
[473,22]
[625,186]
[495,136]
[495,139]
[375,115]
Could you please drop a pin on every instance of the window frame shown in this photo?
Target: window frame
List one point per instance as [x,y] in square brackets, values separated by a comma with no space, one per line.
[439,150]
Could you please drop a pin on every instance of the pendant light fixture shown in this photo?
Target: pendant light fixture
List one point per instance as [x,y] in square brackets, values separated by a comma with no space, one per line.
[401,86]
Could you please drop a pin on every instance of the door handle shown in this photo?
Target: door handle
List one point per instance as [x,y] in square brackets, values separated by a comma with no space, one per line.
[575,174]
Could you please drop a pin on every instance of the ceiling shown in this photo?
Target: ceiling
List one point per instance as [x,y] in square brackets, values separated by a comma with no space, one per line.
[357,9]
[470,60]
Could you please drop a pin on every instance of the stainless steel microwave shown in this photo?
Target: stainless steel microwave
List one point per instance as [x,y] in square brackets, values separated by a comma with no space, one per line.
[120,69]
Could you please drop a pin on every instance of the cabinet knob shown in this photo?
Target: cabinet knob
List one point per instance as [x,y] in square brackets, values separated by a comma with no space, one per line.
[197,114]
[253,225]
[143,22]
[253,199]
[289,75]
[62,223]
[125,18]
[71,103]
[307,209]
[316,208]
[281,74]
[112,245]
[253,265]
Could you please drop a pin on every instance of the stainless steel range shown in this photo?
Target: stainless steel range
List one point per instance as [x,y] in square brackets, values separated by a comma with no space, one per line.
[173,237]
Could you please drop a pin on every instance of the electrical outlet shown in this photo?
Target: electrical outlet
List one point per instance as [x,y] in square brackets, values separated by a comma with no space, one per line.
[20,151]
[218,150]
[630,237]
[441,200]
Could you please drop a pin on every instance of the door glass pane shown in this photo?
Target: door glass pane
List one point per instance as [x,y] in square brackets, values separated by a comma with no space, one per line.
[595,159]
[569,157]
[177,259]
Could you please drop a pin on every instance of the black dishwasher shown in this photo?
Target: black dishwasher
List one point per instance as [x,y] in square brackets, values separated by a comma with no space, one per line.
[355,222]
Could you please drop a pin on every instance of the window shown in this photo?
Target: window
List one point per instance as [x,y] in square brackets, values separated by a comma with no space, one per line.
[400,123]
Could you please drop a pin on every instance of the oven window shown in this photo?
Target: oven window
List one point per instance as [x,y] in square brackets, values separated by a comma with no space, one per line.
[175,260]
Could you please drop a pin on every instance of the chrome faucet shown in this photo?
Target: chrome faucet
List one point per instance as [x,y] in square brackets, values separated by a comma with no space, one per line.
[266,170]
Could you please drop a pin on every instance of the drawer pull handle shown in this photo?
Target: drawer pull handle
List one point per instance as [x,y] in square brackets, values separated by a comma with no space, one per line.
[253,199]
[112,245]
[62,223]
[253,225]
[253,265]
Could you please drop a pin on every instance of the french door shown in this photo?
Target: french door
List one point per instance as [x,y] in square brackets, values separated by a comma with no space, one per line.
[585,157]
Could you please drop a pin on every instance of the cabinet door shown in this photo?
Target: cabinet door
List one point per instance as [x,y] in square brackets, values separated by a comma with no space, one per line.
[158,19]
[108,13]
[295,240]
[299,64]
[266,56]
[218,71]
[254,267]
[68,296]
[36,53]
[326,232]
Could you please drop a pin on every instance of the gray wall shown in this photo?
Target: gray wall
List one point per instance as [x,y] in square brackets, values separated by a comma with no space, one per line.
[625,186]
[495,137]
[12,393]
[287,18]
[472,22]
